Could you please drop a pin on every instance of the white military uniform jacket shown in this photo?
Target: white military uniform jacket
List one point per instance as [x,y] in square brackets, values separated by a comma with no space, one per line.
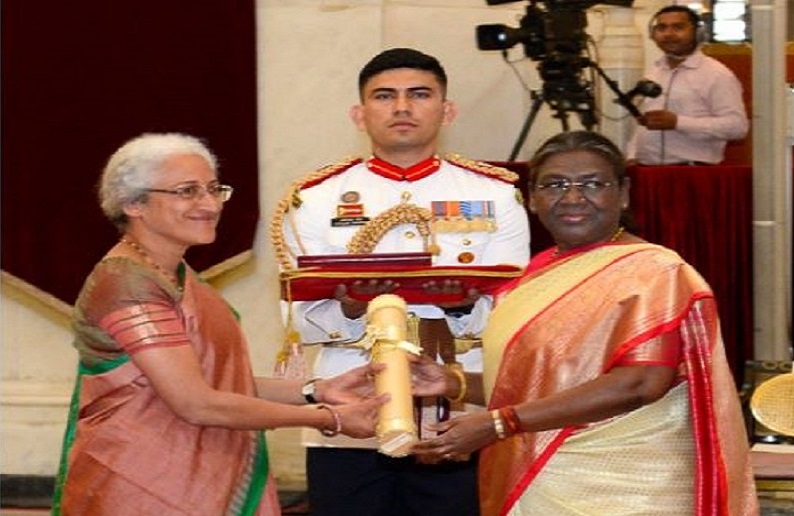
[508,243]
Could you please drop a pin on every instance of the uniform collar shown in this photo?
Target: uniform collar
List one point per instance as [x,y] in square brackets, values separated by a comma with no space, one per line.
[413,173]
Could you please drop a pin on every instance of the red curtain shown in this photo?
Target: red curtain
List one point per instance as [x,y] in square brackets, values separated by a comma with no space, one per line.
[705,214]
[79,79]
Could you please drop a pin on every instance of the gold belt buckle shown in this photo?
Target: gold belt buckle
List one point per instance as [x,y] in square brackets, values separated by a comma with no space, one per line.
[463,345]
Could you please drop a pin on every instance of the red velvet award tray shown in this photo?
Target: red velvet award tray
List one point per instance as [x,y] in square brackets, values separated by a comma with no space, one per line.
[320,281]
[357,261]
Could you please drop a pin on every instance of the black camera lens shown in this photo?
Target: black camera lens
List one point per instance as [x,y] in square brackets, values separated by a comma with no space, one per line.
[496,37]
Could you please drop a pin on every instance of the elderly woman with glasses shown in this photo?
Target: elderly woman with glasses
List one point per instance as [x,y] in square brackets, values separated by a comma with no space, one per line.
[605,376]
[167,417]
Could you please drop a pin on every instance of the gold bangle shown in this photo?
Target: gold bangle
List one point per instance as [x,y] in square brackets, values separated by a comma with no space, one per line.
[498,424]
[458,372]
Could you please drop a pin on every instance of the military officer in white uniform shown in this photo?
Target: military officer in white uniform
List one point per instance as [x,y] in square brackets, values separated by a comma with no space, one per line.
[477,219]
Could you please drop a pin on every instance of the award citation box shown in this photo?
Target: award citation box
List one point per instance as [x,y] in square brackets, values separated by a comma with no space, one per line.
[318,276]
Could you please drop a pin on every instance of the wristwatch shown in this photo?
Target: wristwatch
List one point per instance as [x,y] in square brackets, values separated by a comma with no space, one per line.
[308,391]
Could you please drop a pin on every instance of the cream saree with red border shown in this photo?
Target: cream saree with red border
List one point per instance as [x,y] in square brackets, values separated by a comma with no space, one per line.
[568,320]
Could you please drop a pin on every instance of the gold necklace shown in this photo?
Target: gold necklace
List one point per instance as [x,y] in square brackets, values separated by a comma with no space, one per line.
[613,238]
[149,260]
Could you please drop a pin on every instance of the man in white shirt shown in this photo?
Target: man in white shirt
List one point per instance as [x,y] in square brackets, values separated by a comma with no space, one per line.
[700,107]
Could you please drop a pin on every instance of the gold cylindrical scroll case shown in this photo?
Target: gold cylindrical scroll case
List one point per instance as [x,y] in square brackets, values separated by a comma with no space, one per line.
[396,429]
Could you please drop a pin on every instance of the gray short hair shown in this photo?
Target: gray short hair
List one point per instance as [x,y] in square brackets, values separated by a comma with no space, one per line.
[129,171]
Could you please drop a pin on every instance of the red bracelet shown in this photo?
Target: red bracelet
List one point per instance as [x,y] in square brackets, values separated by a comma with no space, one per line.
[511,421]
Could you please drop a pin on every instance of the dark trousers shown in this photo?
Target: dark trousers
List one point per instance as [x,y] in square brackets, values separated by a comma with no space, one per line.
[350,482]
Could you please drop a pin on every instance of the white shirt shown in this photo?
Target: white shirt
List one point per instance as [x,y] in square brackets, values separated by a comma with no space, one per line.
[707,98]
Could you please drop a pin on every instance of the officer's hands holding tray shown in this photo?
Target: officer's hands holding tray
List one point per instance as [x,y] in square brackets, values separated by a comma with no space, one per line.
[355,279]
[451,295]
[354,299]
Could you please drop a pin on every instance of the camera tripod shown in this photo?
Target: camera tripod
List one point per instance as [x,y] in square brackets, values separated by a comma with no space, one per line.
[563,102]
[587,118]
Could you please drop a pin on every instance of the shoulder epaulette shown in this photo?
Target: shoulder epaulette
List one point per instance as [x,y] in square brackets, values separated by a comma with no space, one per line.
[320,175]
[292,199]
[502,174]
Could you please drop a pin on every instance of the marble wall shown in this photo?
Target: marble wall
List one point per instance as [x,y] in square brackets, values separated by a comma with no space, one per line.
[310,52]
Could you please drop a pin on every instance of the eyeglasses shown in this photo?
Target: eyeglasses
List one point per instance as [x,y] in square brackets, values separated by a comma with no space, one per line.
[194,192]
[588,187]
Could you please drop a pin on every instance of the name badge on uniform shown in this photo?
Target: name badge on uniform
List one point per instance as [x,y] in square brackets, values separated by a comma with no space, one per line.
[463,216]
[349,212]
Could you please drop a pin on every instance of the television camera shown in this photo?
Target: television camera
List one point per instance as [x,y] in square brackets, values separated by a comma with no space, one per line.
[554,35]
